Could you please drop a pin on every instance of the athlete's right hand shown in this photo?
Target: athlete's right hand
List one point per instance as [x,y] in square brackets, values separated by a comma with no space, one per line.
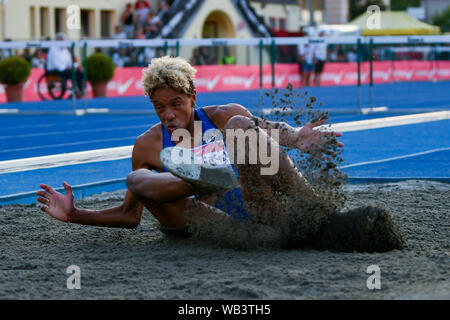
[58,205]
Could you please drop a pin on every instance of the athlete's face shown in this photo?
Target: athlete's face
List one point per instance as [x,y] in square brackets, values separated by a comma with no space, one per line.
[174,109]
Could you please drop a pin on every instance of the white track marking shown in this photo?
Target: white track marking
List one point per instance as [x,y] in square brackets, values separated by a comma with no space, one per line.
[52,133]
[375,109]
[387,122]
[65,159]
[67,144]
[79,122]
[125,152]
[395,158]
[8,111]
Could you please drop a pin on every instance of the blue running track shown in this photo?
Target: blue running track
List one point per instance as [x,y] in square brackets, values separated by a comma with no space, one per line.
[394,153]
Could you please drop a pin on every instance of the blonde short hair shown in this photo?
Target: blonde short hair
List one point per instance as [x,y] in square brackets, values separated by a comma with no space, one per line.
[168,72]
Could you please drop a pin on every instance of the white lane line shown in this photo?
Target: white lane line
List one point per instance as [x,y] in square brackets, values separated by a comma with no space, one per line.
[82,112]
[78,123]
[375,109]
[52,133]
[387,122]
[8,111]
[395,158]
[67,144]
[65,159]
[110,153]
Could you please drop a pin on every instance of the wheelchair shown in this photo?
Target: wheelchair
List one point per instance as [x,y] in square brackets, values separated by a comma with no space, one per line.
[53,86]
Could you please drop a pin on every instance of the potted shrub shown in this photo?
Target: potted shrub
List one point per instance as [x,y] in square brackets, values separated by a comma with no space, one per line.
[100,69]
[14,71]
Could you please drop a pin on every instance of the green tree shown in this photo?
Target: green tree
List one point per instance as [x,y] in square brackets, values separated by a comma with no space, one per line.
[358,7]
[443,20]
[401,5]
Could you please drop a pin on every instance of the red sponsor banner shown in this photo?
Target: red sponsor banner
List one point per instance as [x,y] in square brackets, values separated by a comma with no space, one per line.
[127,81]
[29,88]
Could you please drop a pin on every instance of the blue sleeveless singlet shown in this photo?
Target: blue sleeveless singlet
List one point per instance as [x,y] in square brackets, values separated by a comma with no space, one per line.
[230,202]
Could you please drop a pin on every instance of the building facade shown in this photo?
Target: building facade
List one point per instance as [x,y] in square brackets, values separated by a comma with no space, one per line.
[335,11]
[40,19]
[189,19]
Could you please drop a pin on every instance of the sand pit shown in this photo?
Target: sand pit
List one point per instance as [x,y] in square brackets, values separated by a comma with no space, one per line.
[144,263]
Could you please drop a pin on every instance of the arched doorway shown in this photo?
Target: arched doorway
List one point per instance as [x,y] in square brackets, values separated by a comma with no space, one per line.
[219,25]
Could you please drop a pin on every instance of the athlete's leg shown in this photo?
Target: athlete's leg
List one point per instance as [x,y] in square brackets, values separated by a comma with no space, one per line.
[167,197]
[265,195]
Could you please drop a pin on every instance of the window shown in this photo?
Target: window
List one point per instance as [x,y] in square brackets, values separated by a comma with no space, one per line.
[87,23]
[106,23]
[32,23]
[60,15]
[44,19]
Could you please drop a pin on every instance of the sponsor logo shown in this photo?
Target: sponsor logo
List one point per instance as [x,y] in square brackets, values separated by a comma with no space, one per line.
[416,40]
[33,45]
[122,88]
[280,80]
[316,40]
[212,84]
[125,44]
[220,43]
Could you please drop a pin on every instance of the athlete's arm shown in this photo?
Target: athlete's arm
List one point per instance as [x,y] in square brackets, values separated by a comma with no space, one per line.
[304,138]
[127,215]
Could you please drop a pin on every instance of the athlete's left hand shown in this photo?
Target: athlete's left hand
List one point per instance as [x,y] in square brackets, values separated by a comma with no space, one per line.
[316,141]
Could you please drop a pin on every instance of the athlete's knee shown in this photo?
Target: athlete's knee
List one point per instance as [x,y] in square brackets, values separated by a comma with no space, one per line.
[239,122]
[137,183]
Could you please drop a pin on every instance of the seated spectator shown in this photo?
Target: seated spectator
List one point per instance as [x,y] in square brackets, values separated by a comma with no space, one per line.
[139,4]
[141,8]
[152,25]
[121,58]
[196,58]
[59,62]
[150,32]
[207,56]
[127,20]
[352,56]
[228,58]
[153,19]
[27,55]
[38,59]
[119,33]
[201,57]
[334,53]
[160,53]
[164,8]
[6,53]
[145,56]
[139,33]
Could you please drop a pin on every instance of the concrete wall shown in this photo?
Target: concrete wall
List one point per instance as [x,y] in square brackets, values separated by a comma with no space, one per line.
[336,11]
[291,14]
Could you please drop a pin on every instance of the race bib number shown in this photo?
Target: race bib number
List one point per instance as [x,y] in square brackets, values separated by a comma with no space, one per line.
[213,153]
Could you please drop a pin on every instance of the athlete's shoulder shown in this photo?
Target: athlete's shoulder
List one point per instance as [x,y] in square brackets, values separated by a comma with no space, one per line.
[150,140]
[147,148]
[222,113]
[149,137]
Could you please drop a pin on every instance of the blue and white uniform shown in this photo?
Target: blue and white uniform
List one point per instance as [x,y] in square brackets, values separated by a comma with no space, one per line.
[230,202]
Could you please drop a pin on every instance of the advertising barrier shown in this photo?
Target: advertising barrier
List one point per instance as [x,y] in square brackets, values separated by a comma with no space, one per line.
[127,81]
